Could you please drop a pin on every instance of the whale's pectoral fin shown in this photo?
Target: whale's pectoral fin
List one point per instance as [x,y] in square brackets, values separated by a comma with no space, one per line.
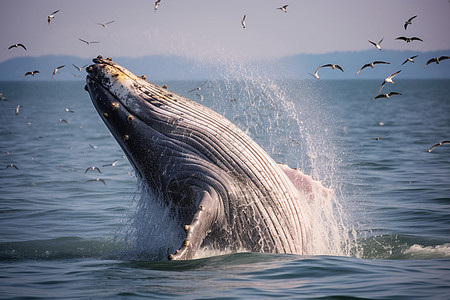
[199,227]
[305,184]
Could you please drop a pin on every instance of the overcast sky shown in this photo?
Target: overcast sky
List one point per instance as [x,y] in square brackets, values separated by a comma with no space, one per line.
[212,29]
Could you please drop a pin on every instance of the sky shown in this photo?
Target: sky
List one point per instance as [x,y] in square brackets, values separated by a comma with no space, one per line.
[211,29]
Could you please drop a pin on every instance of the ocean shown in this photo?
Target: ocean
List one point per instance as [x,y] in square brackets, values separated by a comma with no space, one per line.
[68,233]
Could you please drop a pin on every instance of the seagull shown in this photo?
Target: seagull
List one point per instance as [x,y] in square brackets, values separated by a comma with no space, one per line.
[56,70]
[88,43]
[17,109]
[388,95]
[80,69]
[333,66]
[63,121]
[200,96]
[69,110]
[243,22]
[389,79]
[92,146]
[156,5]
[199,88]
[51,16]
[31,73]
[409,40]
[438,144]
[113,164]
[408,22]
[372,64]
[437,60]
[411,59]
[377,138]
[12,166]
[105,24]
[17,45]
[316,74]
[97,179]
[377,45]
[283,8]
[93,169]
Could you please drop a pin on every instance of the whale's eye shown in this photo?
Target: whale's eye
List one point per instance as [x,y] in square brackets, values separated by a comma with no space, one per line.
[130,118]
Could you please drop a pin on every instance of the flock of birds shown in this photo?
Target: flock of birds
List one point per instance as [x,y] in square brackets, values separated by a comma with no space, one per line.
[372,64]
[283,8]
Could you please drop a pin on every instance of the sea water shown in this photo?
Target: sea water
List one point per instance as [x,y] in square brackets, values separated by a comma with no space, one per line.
[70,234]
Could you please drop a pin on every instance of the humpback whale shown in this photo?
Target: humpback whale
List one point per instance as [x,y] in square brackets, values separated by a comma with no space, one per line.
[225,190]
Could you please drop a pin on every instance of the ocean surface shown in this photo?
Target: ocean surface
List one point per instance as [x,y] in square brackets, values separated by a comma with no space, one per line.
[70,234]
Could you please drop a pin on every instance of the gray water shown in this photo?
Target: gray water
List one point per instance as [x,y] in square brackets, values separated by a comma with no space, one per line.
[65,234]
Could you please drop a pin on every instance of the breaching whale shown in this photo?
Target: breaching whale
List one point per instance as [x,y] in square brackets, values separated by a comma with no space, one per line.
[228,193]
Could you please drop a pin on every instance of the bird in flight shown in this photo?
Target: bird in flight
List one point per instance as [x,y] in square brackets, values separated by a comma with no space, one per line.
[156,5]
[438,144]
[409,40]
[78,68]
[17,45]
[372,65]
[31,73]
[408,22]
[243,22]
[87,42]
[333,66]
[56,70]
[198,88]
[17,109]
[283,8]
[377,45]
[436,60]
[389,79]
[51,16]
[411,59]
[105,24]
[316,74]
[387,96]
[93,169]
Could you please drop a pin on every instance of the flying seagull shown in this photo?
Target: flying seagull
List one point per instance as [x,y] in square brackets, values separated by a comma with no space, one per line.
[371,64]
[198,88]
[377,45]
[105,24]
[389,79]
[156,5]
[88,43]
[113,164]
[436,60]
[17,45]
[31,73]
[411,59]
[409,40]
[17,109]
[438,144]
[78,68]
[12,166]
[97,179]
[333,66]
[93,169]
[56,70]
[387,96]
[408,22]
[51,16]
[283,8]
[243,22]
[316,74]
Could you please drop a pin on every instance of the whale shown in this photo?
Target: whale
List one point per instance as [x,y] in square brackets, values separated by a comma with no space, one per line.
[225,191]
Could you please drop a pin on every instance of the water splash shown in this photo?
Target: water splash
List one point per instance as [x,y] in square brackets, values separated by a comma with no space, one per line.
[293,129]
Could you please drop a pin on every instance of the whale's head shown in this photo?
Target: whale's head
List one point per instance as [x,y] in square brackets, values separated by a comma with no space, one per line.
[133,110]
